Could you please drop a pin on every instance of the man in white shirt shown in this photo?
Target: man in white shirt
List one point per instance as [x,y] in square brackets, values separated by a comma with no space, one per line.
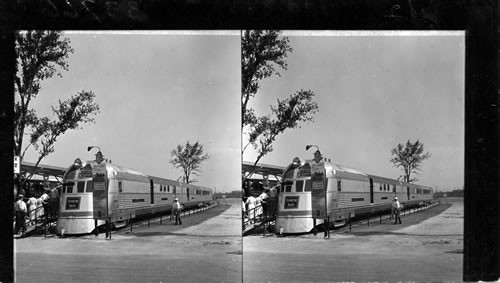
[264,202]
[397,210]
[44,199]
[177,207]
[21,211]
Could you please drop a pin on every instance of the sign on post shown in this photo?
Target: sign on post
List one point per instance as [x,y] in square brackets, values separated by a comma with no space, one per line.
[100,194]
[17,165]
[318,192]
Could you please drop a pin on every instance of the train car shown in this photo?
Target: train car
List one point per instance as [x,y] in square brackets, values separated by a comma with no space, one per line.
[103,191]
[344,192]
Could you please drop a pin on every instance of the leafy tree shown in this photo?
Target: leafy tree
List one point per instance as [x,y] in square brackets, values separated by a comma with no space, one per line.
[262,53]
[299,107]
[409,156]
[189,158]
[40,55]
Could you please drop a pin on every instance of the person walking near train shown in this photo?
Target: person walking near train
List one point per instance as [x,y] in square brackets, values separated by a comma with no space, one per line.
[397,210]
[44,199]
[264,202]
[177,207]
[21,211]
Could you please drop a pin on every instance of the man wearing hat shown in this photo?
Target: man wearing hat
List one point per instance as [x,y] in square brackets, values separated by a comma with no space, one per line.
[396,206]
[177,207]
[44,199]
[21,211]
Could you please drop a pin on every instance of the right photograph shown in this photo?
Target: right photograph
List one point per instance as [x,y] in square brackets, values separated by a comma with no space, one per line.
[352,155]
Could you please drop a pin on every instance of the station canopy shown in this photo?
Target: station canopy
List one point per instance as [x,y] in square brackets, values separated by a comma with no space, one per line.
[262,170]
[52,173]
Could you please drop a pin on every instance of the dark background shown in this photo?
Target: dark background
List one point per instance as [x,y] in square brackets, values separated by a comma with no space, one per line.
[478,18]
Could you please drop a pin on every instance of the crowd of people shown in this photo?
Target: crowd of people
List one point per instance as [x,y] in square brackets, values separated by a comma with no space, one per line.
[40,205]
[261,205]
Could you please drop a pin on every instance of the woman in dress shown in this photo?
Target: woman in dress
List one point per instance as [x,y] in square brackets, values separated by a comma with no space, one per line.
[32,209]
[250,208]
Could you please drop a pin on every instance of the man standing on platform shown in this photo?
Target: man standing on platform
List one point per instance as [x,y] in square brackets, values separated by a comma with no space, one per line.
[177,207]
[397,210]
[44,200]
[264,201]
[21,211]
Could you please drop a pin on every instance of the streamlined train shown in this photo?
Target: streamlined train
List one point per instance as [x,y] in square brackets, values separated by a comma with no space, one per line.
[317,189]
[101,191]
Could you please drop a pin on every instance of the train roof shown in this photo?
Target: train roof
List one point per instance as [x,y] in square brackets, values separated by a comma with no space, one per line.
[134,174]
[342,168]
[344,171]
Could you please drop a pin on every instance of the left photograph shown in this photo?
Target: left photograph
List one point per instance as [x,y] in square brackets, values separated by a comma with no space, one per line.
[127,162]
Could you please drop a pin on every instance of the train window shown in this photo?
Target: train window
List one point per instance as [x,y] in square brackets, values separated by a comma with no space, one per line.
[339,186]
[288,188]
[308,186]
[69,189]
[80,187]
[394,188]
[299,186]
[120,188]
[90,187]
[380,186]
[174,189]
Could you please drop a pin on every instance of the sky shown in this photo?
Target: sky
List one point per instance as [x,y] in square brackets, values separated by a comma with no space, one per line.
[375,90]
[155,90]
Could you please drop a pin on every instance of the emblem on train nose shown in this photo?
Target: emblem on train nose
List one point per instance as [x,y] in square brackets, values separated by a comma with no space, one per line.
[98,157]
[317,156]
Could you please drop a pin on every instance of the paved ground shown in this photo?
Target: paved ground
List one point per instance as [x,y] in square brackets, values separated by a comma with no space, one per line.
[428,246]
[206,248]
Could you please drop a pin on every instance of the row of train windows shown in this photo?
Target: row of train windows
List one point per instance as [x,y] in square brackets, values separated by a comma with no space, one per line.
[166,188]
[80,187]
[299,187]
[423,191]
[163,188]
[386,187]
